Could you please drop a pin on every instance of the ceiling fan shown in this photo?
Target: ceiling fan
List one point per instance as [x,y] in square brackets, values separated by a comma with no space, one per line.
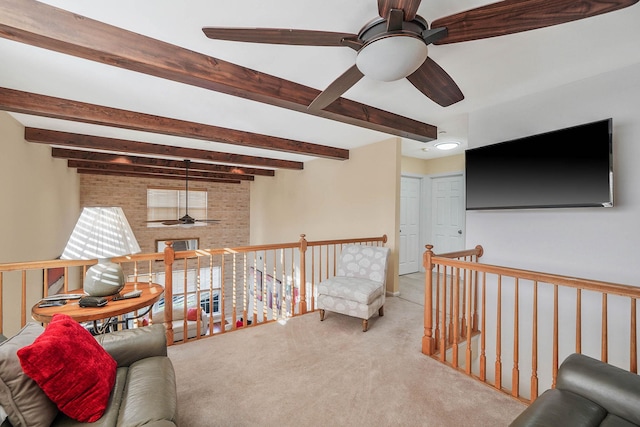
[186,220]
[394,45]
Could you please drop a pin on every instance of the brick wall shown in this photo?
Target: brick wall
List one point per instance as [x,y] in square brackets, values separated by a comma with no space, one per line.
[227,202]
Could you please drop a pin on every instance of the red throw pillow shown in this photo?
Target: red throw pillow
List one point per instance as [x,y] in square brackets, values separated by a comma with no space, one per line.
[192,314]
[72,369]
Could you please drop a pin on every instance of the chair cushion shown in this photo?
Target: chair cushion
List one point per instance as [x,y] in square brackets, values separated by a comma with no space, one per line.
[357,289]
[369,262]
[22,399]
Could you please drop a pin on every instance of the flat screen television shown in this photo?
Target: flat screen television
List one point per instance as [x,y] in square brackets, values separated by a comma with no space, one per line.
[570,167]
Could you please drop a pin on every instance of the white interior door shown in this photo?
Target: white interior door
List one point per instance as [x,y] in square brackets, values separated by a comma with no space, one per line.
[448,213]
[410,255]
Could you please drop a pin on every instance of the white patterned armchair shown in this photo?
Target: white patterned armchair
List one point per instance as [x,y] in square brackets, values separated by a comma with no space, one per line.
[359,286]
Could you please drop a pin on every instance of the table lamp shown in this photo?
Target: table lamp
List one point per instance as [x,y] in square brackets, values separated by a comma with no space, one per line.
[102,233]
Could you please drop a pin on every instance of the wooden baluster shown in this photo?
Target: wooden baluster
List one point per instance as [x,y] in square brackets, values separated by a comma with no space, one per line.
[443,319]
[554,366]
[23,304]
[245,293]
[436,333]
[498,379]
[633,351]
[427,339]
[578,320]
[303,275]
[605,342]
[234,291]
[221,295]
[475,301]
[483,330]
[450,328]
[463,301]
[515,372]
[534,345]
[313,279]
[169,258]
[455,314]
[469,328]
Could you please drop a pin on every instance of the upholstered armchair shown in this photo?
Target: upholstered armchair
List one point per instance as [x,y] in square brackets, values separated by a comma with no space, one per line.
[359,286]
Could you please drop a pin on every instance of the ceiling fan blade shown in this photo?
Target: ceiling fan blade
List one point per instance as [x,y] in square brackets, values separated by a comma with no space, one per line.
[337,88]
[212,221]
[514,16]
[172,222]
[436,84]
[278,36]
[410,8]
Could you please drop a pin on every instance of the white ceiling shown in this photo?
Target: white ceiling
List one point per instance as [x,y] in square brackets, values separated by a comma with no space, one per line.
[487,71]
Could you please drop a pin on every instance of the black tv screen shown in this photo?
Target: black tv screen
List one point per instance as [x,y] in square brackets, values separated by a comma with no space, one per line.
[571,167]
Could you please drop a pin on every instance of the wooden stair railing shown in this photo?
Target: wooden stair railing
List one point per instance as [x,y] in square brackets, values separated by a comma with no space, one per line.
[523,318]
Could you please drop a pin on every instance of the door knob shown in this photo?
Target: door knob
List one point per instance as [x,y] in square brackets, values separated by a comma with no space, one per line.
[459,231]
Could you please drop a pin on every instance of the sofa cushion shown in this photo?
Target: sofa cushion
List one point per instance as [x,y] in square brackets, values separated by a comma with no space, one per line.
[357,289]
[138,406]
[22,399]
[72,368]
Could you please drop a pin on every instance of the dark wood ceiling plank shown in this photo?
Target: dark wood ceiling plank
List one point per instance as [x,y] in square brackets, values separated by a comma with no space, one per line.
[67,139]
[156,176]
[45,26]
[83,164]
[94,156]
[65,109]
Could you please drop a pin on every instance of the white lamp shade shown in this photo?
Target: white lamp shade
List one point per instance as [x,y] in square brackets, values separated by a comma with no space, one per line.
[391,58]
[101,232]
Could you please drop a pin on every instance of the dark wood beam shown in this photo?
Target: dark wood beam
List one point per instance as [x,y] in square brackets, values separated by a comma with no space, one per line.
[93,156]
[68,139]
[83,164]
[158,176]
[45,26]
[65,109]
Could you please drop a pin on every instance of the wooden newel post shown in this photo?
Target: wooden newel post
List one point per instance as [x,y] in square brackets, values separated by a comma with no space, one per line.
[169,257]
[303,275]
[428,342]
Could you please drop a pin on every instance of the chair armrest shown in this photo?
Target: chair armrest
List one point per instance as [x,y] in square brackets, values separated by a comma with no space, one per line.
[130,345]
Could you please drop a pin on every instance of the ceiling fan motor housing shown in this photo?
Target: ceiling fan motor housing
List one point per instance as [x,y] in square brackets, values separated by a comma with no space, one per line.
[392,55]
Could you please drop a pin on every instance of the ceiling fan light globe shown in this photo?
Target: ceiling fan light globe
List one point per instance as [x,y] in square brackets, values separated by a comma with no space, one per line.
[392,57]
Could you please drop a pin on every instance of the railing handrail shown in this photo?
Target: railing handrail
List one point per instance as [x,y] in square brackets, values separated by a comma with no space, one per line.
[536,276]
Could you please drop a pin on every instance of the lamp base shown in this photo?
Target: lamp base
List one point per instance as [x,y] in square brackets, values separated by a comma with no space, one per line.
[103,279]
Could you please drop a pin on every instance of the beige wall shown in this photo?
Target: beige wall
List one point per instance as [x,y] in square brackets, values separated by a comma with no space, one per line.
[440,165]
[39,205]
[227,202]
[333,199]
[36,227]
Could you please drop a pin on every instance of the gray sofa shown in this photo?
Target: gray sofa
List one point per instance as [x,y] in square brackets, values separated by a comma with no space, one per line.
[588,393]
[144,393]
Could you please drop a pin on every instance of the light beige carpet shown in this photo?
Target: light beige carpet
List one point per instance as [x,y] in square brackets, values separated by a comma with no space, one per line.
[312,373]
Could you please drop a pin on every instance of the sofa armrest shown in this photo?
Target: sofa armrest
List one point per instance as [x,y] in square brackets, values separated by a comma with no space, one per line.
[130,345]
[616,390]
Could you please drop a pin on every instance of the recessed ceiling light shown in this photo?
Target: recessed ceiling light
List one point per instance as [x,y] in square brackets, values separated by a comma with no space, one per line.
[447,145]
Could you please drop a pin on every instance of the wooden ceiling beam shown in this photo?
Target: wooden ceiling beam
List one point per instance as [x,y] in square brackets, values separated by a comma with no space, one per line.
[116,167]
[67,139]
[157,176]
[66,109]
[93,156]
[48,27]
